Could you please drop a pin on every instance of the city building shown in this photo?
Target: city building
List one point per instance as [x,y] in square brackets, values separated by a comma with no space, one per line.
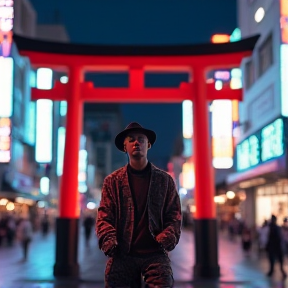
[261,150]
[19,180]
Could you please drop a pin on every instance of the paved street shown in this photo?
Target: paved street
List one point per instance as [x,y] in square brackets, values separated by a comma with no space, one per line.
[37,272]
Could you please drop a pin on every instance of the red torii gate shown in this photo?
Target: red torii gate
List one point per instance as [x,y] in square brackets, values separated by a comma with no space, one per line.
[136,60]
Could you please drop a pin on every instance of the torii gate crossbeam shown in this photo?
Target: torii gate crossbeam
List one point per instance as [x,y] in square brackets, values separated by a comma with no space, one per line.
[136,60]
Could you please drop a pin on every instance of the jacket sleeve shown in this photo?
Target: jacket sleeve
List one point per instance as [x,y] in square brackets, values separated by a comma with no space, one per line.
[106,220]
[170,236]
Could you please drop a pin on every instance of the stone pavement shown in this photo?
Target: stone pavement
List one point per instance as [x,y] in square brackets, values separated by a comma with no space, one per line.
[237,270]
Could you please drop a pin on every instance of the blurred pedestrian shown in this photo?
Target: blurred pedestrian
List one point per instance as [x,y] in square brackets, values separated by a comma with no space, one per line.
[275,246]
[88,224]
[45,224]
[139,217]
[25,234]
[246,239]
[262,235]
[285,235]
[3,229]
[11,230]
[233,228]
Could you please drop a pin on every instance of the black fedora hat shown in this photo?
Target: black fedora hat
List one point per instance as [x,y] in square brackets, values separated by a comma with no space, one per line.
[134,127]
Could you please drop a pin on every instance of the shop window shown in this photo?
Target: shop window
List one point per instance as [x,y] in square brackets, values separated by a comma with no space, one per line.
[265,55]
[260,191]
[279,187]
[273,189]
[285,187]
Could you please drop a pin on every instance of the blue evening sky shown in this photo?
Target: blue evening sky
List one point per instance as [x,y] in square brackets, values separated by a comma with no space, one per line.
[143,22]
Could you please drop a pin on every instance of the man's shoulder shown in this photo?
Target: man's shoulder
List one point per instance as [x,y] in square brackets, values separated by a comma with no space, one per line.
[117,173]
[160,171]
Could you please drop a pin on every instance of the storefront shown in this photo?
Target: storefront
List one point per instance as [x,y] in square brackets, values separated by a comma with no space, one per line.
[261,161]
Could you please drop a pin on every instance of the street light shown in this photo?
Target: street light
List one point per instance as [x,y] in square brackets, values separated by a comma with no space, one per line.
[230,194]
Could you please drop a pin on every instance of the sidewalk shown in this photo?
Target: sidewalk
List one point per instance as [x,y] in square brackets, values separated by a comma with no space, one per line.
[236,269]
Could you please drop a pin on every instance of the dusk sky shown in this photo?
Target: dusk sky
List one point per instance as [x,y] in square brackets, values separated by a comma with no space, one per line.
[143,22]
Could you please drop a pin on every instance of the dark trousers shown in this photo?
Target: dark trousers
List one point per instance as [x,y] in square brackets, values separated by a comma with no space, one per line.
[126,271]
[273,256]
[25,246]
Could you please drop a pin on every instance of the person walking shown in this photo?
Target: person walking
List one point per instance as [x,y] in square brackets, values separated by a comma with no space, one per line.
[139,217]
[275,246]
[285,235]
[246,240]
[25,234]
[262,237]
[45,225]
[88,224]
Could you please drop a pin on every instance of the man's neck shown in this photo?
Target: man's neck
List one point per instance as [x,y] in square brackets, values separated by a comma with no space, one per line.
[138,165]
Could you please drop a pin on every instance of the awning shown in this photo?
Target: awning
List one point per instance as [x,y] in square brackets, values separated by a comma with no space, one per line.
[267,170]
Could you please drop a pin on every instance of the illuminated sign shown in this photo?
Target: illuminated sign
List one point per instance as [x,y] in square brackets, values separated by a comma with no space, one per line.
[236,35]
[222,75]
[44,78]
[248,153]
[187,178]
[6,86]
[82,175]
[284,20]
[284,77]
[265,145]
[233,77]
[6,26]
[44,131]
[272,140]
[222,140]
[5,140]
[220,38]
[60,150]
[187,119]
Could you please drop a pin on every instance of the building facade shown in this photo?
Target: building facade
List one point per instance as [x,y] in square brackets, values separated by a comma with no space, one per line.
[261,150]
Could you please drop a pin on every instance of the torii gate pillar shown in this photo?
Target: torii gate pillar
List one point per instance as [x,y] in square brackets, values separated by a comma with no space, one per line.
[67,223]
[205,223]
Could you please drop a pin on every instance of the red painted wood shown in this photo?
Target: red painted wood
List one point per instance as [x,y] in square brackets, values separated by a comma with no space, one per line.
[136,94]
[204,181]
[69,195]
[125,63]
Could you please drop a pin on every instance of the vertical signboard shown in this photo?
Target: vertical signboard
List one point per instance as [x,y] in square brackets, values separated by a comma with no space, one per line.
[6,86]
[5,140]
[222,140]
[284,20]
[44,110]
[6,26]
[284,56]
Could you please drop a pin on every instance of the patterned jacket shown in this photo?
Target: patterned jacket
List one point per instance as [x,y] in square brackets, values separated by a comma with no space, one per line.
[115,220]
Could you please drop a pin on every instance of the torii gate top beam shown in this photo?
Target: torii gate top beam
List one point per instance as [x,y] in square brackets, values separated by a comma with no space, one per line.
[150,58]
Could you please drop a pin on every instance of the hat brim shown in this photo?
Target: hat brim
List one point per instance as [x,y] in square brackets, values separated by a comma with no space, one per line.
[119,139]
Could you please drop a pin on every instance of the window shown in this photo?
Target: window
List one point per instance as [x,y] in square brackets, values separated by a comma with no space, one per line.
[249,74]
[265,55]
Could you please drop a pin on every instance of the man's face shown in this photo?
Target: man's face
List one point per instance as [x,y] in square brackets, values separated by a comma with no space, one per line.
[136,145]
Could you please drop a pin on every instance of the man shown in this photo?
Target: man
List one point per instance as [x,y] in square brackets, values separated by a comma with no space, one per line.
[275,246]
[139,216]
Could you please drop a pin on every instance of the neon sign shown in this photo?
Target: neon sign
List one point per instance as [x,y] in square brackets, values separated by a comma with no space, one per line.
[6,26]
[272,140]
[222,139]
[284,21]
[5,140]
[6,84]
[261,147]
